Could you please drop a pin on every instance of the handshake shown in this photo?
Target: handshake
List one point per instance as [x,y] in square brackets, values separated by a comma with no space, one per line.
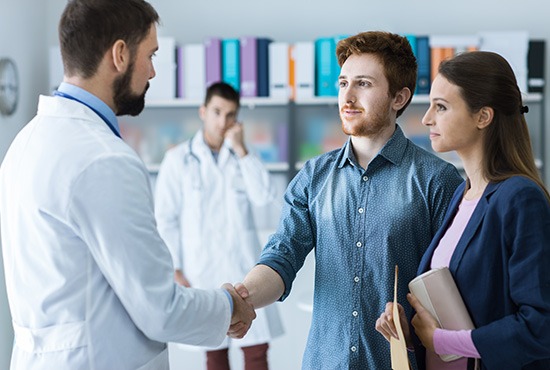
[243,310]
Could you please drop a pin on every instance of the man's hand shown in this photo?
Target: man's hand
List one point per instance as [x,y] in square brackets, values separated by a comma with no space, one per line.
[243,314]
[235,135]
[386,326]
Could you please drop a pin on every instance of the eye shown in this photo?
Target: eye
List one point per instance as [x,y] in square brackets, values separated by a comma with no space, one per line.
[342,83]
[364,83]
[440,108]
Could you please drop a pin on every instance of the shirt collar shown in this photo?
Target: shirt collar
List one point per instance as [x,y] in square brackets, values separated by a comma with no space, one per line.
[392,151]
[90,100]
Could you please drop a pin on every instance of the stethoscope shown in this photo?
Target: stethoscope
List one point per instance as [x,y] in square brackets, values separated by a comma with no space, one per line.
[189,157]
[67,96]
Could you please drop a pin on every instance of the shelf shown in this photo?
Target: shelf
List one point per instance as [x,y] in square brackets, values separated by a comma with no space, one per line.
[417,99]
[249,103]
[272,167]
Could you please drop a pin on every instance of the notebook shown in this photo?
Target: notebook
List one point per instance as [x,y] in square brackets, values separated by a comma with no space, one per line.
[437,292]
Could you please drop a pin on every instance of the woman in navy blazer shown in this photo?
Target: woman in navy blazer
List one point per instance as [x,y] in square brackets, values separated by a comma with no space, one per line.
[499,252]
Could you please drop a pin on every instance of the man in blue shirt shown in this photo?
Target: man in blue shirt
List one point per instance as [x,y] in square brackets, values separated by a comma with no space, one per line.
[373,204]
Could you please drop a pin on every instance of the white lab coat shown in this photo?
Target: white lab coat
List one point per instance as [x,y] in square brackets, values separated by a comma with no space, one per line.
[89,280]
[204,214]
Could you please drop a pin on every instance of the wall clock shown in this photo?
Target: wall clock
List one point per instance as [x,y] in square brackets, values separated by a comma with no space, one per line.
[9,86]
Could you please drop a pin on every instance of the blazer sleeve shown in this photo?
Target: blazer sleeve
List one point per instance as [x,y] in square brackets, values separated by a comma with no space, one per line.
[523,337]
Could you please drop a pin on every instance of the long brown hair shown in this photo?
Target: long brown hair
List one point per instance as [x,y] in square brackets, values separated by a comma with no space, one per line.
[486,79]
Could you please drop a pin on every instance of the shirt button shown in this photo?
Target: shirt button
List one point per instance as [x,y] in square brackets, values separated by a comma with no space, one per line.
[361,210]
[365,178]
[358,244]
[353,348]
[356,279]
[355,313]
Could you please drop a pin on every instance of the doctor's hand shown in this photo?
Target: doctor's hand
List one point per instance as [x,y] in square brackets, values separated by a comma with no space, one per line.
[386,326]
[424,323]
[243,314]
[180,278]
[235,134]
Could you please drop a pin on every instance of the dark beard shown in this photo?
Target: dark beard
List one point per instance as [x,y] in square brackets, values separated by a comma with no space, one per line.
[126,102]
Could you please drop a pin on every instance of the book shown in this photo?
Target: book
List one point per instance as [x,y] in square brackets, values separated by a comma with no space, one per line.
[194,71]
[163,86]
[230,63]
[325,67]
[304,69]
[279,70]
[249,67]
[535,64]
[423,80]
[437,292]
[262,66]
[213,59]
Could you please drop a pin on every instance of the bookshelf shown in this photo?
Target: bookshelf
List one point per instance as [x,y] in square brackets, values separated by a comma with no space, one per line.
[287,133]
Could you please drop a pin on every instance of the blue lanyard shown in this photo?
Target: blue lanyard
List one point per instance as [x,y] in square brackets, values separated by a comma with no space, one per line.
[67,96]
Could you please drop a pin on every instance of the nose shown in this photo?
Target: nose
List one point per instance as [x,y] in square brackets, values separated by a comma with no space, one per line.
[153,72]
[427,119]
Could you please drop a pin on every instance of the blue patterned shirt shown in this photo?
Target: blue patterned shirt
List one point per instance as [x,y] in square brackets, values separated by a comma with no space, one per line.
[361,223]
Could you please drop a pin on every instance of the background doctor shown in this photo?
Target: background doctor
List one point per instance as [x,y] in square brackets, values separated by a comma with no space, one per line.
[88,276]
[203,203]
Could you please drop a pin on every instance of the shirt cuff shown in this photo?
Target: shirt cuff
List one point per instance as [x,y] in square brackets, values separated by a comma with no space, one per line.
[230,300]
[455,342]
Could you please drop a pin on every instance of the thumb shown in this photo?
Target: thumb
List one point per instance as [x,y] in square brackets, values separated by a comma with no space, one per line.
[241,290]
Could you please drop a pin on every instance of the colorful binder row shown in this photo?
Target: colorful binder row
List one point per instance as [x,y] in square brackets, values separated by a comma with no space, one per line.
[261,67]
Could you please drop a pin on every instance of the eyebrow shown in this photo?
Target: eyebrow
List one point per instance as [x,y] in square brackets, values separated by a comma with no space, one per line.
[440,99]
[343,77]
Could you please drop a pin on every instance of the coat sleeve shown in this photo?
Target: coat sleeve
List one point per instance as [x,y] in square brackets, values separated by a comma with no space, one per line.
[523,337]
[259,183]
[111,210]
[168,205]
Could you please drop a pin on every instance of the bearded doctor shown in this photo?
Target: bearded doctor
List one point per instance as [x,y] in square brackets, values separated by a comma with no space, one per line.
[88,276]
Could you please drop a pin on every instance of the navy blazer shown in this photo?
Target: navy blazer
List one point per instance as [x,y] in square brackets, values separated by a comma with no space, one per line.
[501,266]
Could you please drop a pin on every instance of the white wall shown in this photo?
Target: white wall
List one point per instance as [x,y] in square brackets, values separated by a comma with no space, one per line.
[28,27]
[22,38]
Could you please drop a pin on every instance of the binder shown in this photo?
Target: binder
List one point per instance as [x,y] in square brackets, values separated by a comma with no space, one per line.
[325,67]
[423,79]
[262,66]
[180,88]
[304,69]
[248,65]
[438,293]
[535,64]
[213,59]
[163,86]
[230,63]
[279,70]
[194,71]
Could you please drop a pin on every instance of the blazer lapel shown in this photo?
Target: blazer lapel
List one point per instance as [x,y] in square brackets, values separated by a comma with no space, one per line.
[451,212]
[473,225]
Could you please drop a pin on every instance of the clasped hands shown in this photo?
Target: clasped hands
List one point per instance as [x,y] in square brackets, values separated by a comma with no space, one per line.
[243,311]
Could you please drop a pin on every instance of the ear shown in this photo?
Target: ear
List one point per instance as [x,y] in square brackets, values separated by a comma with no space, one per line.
[121,55]
[401,98]
[485,117]
[202,112]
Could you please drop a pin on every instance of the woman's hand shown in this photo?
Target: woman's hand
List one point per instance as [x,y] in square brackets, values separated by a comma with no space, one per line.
[386,326]
[423,322]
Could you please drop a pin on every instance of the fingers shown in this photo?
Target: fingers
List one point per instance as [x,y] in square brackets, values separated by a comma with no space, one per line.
[241,289]
[243,313]
[415,303]
[385,324]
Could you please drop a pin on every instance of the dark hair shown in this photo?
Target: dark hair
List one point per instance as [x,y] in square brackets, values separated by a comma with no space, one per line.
[223,90]
[485,79]
[88,28]
[393,51]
